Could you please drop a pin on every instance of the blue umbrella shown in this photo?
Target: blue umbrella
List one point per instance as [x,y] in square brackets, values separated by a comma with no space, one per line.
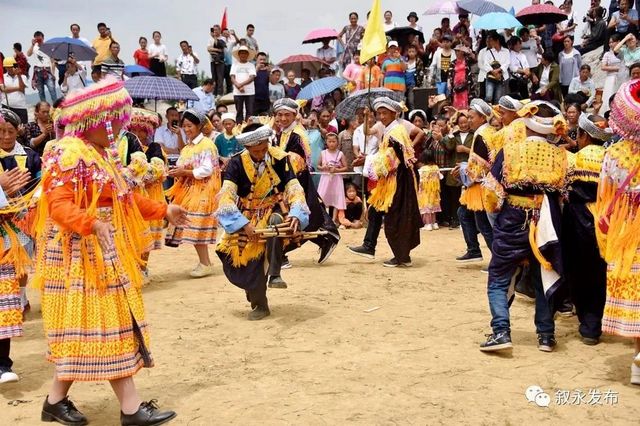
[60,48]
[321,87]
[479,7]
[496,21]
[159,88]
[129,70]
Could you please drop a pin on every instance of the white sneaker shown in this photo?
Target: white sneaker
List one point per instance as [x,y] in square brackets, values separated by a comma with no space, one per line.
[8,376]
[201,271]
[428,227]
[635,374]
[436,226]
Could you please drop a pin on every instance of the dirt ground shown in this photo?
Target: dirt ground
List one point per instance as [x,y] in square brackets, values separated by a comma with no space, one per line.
[326,356]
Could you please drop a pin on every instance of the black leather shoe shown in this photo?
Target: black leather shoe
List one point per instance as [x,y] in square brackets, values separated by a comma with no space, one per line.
[259,312]
[148,414]
[62,412]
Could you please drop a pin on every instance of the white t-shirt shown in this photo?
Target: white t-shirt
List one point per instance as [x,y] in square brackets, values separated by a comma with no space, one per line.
[530,50]
[168,139]
[276,91]
[326,54]
[40,59]
[155,49]
[186,64]
[15,99]
[389,27]
[75,82]
[369,150]
[243,72]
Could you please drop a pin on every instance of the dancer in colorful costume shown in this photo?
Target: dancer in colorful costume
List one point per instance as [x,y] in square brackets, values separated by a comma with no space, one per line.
[197,181]
[527,180]
[259,189]
[292,138]
[585,270]
[90,232]
[19,173]
[617,217]
[143,125]
[394,200]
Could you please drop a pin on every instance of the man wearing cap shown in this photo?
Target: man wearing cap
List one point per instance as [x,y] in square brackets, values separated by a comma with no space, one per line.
[472,212]
[259,189]
[292,138]
[527,179]
[243,73]
[226,141]
[394,68]
[13,88]
[394,199]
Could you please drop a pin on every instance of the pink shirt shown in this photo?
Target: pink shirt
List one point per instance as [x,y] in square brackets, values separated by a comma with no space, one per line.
[352,72]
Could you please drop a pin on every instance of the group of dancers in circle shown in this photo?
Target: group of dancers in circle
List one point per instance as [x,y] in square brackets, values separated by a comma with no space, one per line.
[86,216]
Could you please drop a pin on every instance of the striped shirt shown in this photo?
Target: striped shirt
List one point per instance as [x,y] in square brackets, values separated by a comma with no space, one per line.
[393,70]
[113,67]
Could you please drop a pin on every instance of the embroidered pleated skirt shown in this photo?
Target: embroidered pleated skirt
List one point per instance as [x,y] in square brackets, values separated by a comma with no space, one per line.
[622,308]
[156,227]
[92,308]
[199,198]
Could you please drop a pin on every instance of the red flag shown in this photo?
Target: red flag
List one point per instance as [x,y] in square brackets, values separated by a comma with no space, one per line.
[1,73]
[223,25]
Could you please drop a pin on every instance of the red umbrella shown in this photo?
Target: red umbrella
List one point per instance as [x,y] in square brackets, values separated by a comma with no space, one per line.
[298,62]
[541,14]
[319,35]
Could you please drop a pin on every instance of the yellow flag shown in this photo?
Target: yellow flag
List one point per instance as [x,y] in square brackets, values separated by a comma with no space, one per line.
[374,41]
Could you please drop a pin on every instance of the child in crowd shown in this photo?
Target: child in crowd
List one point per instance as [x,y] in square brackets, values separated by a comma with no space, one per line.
[429,190]
[351,217]
[331,188]
[226,142]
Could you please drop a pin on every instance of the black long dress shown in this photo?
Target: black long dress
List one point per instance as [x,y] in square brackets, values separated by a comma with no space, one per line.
[585,270]
[319,217]
[402,222]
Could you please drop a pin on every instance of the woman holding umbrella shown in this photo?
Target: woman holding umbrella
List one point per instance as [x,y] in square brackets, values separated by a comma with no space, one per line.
[352,34]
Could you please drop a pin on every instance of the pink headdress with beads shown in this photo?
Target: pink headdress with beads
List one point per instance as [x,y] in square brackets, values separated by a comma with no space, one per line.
[625,110]
[104,102]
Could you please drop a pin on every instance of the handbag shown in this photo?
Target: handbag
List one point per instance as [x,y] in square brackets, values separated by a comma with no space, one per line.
[495,65]
[458,88]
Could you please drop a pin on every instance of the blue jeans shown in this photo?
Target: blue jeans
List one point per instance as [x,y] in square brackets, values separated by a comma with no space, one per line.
[473,223]
[494,91]
[49,82]
[497,289]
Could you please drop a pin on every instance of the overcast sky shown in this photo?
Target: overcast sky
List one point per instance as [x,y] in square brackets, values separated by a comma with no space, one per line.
[280,25]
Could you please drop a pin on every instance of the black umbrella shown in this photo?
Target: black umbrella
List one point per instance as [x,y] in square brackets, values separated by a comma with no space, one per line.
[401,35]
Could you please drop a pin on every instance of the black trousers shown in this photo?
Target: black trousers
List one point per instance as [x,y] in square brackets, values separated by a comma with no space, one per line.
[217,74]
[190,80]
[257,295]
[451,202]
[5,349]
[373,229]
[585,271]
[244,107]
[227,78]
